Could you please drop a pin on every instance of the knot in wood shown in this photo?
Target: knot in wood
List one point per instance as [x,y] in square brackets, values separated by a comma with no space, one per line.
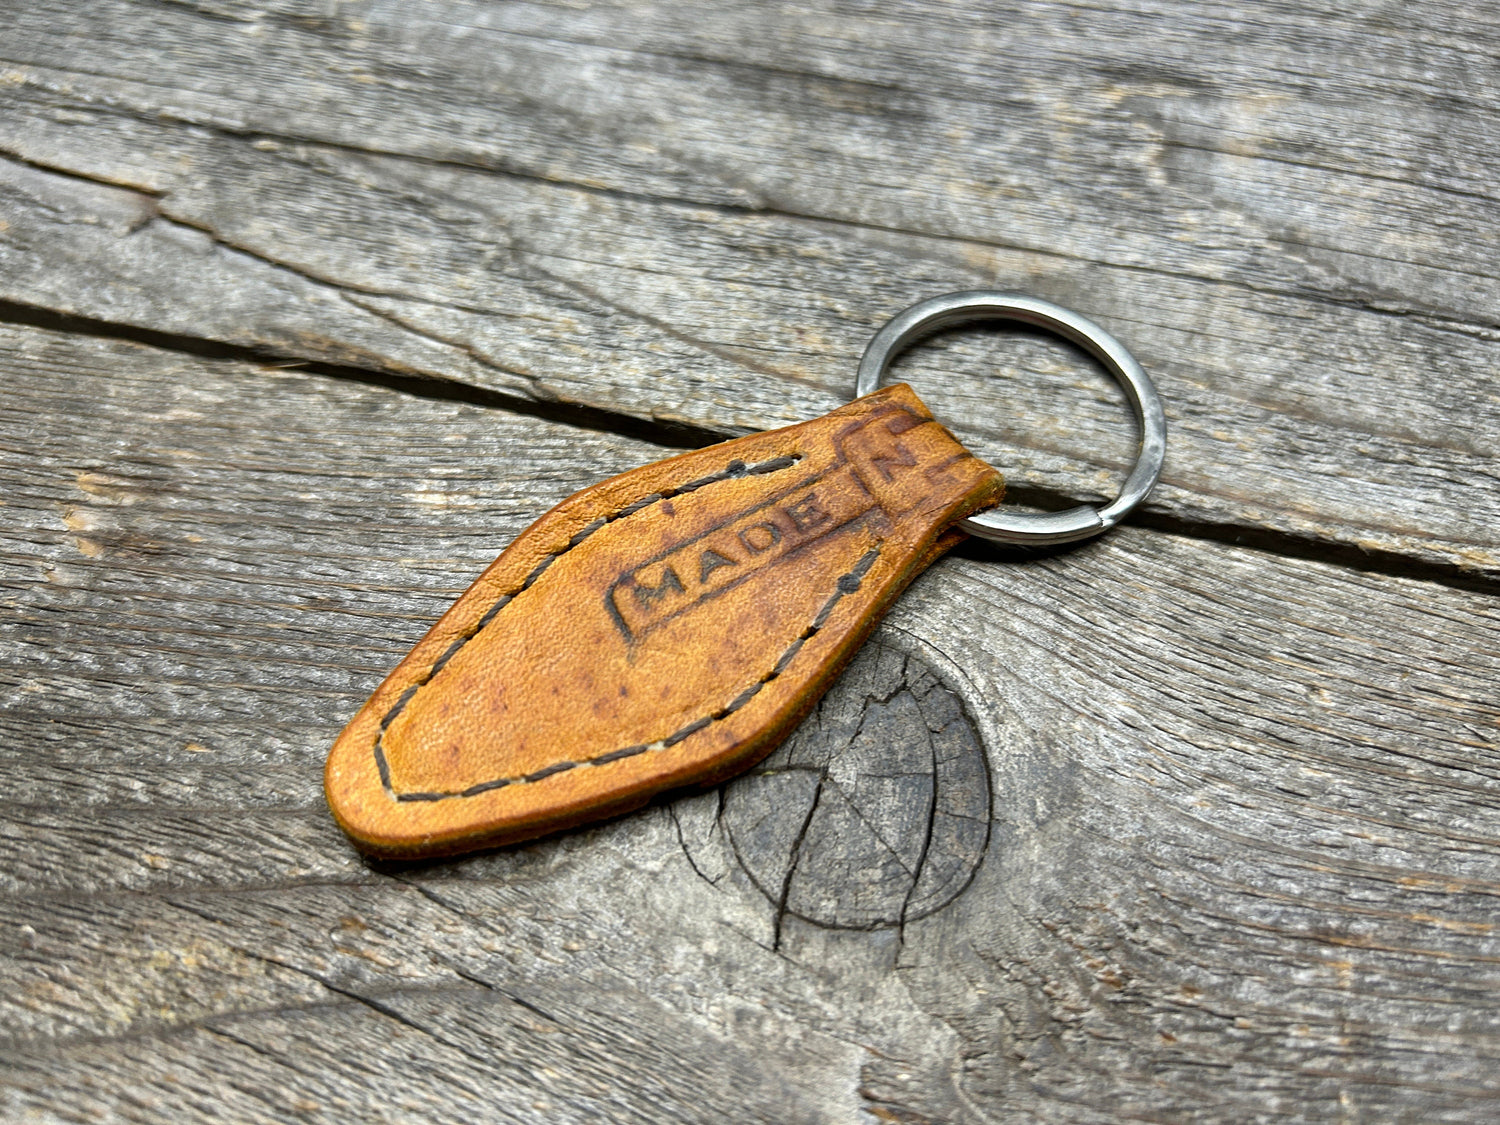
[876,811]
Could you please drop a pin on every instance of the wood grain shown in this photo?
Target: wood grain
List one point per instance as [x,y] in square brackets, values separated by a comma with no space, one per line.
[694,214]
[1239,865]
[306,309]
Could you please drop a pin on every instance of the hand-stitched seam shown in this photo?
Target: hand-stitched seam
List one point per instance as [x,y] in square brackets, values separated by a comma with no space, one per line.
[734,469]
[847,584]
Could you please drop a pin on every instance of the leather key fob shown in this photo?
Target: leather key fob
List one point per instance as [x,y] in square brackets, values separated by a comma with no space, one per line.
[664,628]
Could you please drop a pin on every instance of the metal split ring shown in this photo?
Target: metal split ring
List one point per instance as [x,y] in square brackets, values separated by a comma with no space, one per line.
[1027,528]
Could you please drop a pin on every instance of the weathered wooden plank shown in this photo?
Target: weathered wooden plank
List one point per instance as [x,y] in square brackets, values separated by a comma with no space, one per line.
[497,195]
[1018,105]
[1239,863]
[581,1057]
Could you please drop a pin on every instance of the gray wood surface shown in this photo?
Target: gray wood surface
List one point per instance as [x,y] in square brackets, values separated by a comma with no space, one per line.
[307,309]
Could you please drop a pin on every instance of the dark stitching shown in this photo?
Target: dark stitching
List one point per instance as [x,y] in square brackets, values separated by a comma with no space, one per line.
[484,787]
[735,468]
[616,755]
[643,502]
[587,531]
[789,654]
[820,620]
[740,700]
[486,619]
[548,771]
[447,656]
[541,567]
[691,729]
[772,466]
[847,584]
[400,703]
[385,770]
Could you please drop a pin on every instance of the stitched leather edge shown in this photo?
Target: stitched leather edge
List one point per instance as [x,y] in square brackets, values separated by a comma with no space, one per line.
[734,470]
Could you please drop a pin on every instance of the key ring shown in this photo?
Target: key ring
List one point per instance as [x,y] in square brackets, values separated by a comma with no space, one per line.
[1030,528]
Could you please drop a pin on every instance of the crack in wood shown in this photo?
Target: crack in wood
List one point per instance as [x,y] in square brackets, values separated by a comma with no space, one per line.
[859,822]
[1241,867]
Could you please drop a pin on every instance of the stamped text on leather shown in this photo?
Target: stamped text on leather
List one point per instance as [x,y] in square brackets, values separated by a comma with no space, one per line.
[666,627]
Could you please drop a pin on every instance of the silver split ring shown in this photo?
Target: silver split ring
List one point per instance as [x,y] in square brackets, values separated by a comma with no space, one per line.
[1028,528]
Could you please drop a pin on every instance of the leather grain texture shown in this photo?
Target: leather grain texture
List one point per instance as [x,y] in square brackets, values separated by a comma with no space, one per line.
[667,627]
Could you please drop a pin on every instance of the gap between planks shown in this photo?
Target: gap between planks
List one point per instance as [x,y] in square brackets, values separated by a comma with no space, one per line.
[674,435]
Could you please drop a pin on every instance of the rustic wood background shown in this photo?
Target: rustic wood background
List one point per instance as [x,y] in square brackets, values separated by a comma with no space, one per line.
[309,307]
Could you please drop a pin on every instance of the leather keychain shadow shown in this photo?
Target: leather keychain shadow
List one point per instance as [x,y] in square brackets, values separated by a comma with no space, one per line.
[670,626]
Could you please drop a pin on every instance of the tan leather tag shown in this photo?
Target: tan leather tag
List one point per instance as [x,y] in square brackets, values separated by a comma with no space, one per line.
[667,627]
